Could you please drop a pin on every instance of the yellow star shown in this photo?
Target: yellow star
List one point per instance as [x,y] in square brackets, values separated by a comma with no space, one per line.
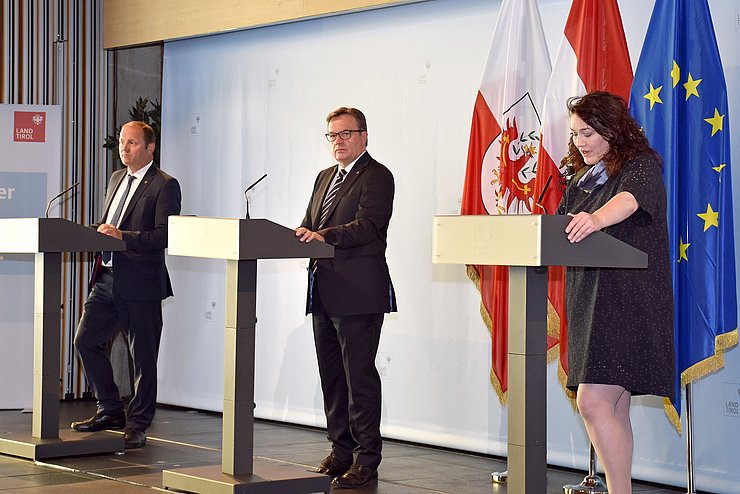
[715,121]
[711,217]
[691,86]
[654,95]
[683,248]
[719,168]
[675,73]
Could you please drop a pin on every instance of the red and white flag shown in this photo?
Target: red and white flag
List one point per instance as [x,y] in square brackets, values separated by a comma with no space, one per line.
[593,56]
[502,154]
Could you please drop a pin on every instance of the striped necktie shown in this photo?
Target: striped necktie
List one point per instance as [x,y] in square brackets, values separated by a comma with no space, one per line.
[329,199]
[117,214]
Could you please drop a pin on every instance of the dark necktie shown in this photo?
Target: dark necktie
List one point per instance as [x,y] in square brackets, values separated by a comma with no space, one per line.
[117,214]
[329,200]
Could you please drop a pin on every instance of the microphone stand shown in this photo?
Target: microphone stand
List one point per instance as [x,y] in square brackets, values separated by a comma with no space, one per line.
[246,197]
[48,206]
[542,195]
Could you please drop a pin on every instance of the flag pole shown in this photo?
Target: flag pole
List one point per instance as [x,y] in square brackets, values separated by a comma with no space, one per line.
[689,442]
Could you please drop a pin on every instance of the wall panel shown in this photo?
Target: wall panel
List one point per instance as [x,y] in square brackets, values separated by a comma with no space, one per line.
[135,22]
[256,104]
[52,53]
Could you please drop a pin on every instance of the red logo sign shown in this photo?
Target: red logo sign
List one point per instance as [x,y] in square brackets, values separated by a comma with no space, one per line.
[29,126]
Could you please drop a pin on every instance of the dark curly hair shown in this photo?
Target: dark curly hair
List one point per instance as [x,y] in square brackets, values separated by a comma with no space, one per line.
[608,115]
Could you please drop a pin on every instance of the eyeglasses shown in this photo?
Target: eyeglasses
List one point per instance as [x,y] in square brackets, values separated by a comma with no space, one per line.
[344,134]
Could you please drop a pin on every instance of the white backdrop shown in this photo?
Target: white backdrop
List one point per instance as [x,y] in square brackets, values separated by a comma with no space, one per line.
[238,105]
[33,170]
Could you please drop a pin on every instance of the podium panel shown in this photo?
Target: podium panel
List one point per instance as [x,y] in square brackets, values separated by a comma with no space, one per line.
[48,238]
[527,244]
[238,239]
[35,235]
[525,240]
[268,478]
[241,243]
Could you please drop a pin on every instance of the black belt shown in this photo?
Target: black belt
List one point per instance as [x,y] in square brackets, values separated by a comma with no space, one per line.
[106,270]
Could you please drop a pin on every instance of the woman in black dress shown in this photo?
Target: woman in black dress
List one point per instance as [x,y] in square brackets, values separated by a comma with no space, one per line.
[620,340]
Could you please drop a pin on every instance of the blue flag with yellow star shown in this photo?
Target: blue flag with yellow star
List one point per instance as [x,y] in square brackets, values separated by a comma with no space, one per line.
[679,96]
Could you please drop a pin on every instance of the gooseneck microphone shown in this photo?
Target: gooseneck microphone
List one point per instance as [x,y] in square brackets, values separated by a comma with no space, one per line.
[48,206]
[246,197]
[565,181]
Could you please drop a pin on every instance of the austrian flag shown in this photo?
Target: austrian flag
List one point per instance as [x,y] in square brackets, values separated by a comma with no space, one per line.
[593,56]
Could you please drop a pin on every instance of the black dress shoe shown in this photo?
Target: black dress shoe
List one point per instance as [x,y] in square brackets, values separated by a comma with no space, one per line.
[134,438]
[99,422]
[358,475]
[332,466]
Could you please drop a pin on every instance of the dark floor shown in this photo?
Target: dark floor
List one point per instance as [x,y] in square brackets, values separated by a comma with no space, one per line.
[186,438]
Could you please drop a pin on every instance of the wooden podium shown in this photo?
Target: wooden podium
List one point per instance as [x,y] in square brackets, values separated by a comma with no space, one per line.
[241,243]
[48,238]
[527,244]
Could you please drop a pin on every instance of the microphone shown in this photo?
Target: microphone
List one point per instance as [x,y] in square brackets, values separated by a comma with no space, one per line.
[565,180]
[48,207]
[542,195]
[246,198]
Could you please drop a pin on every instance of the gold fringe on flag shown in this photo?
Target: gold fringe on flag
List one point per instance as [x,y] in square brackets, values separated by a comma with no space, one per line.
[553,330]
[701,369]
[475,278]
[502,395]
[672,414]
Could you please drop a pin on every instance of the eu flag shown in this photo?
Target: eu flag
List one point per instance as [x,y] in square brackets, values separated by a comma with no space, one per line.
[679,97]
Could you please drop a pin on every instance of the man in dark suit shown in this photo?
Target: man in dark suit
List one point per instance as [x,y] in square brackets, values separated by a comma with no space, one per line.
[129,287]
[350,208]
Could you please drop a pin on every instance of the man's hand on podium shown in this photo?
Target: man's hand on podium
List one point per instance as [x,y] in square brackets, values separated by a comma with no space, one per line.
[307,235]
[111,230]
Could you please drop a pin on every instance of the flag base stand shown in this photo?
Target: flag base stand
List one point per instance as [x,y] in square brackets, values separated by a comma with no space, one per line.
[592,482]
[500,477]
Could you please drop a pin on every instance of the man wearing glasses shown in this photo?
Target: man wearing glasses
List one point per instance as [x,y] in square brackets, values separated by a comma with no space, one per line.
[350,208]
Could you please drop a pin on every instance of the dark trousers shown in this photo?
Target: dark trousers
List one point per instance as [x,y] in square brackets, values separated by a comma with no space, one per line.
[346,348]
[141,322]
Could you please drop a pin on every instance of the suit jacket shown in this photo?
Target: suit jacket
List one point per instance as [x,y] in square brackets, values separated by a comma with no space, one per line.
[140,272]
[356,281]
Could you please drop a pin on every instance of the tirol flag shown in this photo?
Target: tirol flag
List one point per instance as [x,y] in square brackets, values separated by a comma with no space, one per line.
[502,154]
[593,56]
[680,98]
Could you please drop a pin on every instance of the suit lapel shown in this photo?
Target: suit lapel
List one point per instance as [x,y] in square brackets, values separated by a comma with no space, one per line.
[321,190]
[357,170]
[116,180]
[148,177]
